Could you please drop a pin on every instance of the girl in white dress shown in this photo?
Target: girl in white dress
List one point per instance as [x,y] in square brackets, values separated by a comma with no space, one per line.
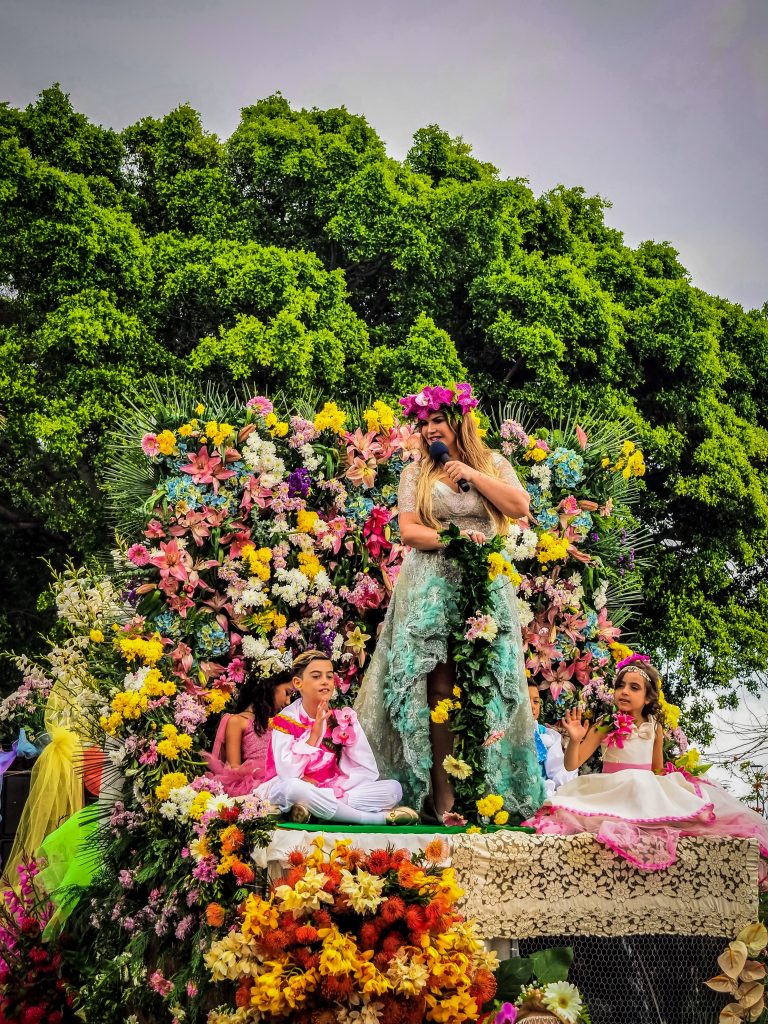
[631,807]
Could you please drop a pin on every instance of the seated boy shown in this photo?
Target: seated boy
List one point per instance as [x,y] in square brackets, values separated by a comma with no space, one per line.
[320,763]
[549,748]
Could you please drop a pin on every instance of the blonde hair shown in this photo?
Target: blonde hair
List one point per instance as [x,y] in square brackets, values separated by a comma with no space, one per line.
[475,453]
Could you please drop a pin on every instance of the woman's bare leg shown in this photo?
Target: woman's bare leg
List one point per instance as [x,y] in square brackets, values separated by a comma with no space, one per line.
[440,683]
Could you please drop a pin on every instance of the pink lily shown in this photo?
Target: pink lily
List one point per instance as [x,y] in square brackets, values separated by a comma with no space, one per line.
[207,469]
[255,494]
[559,678]
[362,471]
[581,437]
[364,445]
[606,632]
[173,561]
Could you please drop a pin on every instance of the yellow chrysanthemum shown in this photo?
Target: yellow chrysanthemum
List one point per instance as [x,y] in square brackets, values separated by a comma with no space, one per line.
[499,566]
[305,520]
[97,637]
[490,805]
[309,564]
[551,549]
[330,417]
[501,818]
[619,651]
[216,700]
[380,418]
[169,782]
[166,442]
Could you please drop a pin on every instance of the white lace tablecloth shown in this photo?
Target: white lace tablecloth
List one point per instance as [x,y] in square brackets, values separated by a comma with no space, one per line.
[523,886]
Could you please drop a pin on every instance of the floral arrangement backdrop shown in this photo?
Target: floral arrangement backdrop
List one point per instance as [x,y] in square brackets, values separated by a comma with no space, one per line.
[246,533]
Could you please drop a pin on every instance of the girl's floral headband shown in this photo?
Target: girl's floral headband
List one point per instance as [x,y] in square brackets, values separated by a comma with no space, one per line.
[457,401]
[635,662]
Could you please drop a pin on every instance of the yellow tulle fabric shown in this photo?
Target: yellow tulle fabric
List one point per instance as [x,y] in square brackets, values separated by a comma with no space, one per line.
[56,787]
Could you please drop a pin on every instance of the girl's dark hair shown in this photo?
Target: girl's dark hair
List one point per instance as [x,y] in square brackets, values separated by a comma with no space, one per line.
[257,695]
[651,678]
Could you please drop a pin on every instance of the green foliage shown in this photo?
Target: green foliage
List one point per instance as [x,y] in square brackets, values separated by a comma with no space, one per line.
[298,254]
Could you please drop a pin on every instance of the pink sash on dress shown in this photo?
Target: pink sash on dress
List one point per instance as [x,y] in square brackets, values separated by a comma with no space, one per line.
[324,775]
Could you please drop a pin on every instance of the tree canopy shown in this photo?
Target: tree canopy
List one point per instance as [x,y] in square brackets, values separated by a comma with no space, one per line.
[296,255]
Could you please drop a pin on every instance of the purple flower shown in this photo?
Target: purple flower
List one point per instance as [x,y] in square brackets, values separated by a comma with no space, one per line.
[299,483]
[125,878]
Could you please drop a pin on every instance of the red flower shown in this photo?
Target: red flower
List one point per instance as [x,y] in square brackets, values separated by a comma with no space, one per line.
[392,909]
[229,814]
[369,935]
[416,919]
[306,934]
[338,989]
[243,994]
[393,942]
[296,858]
[379,862]
[323,919]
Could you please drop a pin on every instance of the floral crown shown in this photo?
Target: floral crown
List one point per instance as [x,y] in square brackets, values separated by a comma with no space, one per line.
[636,662]
[456,401]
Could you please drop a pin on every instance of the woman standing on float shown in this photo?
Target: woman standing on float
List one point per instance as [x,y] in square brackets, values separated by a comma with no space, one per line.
[411,669]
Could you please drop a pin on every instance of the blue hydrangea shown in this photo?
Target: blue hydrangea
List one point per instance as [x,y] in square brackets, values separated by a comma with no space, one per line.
[591,627]
[181,488]
[167,623]
[212,641]
[582,522]
[597,651]
[567,467]
[358,509]
[548,518]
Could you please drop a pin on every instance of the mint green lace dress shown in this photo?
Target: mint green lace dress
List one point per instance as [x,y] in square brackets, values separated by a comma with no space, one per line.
[392,702]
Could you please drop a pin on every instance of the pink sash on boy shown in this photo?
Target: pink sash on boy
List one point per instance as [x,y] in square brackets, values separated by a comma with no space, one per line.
[321,776]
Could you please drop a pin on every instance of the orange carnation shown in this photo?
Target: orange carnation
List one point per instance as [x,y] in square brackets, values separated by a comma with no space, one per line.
[214,915]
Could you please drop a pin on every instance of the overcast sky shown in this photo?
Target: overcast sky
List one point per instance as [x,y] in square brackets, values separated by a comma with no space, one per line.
[658,105]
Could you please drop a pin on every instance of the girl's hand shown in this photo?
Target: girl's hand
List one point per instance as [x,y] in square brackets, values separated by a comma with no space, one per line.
[456,471]
[474,535]
[317,731]
[574,725]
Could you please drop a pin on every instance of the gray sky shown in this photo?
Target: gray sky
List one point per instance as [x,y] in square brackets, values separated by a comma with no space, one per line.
[661,106]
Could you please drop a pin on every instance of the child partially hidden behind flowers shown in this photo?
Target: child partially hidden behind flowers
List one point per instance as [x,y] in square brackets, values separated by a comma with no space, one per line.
[637,807]
[239,756]
[320,762]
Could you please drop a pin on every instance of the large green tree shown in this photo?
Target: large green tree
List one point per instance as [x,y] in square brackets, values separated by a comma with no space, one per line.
[298,254]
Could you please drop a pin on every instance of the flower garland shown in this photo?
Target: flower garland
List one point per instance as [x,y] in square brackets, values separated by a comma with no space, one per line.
[483,570]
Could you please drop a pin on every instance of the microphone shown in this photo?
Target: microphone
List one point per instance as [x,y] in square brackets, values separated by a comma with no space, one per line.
[439,453]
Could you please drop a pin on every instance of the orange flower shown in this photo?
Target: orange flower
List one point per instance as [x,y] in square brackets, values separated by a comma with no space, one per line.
[296,858]
[243,994]
[232,839]
[484,986]
[244,873]
[214,915]
[410,875]
[437,850]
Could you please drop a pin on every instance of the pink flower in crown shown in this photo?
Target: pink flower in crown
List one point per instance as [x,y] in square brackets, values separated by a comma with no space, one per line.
[149,445]
[262,405]
[138,554]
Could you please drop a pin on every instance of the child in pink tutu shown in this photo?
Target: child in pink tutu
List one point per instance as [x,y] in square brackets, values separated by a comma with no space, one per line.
[639,814]
[239,754]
